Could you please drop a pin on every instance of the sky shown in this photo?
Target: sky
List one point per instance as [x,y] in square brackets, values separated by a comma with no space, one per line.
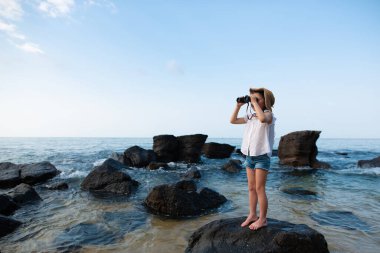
[101,68]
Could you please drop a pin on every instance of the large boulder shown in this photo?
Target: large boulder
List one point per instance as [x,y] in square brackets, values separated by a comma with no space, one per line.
[165,147]
[217,150]
[13,174]
[190,147]
[24,193]
[138,157]
[226,235]
[7,205]
[299,149]
[182,199]
[109,177]
[375,162]
[7,225]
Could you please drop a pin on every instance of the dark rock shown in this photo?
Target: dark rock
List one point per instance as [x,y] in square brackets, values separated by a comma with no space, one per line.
[58,186]
[118,157]
[157,165]
[369,163]
[274,152]
[125,222]
[165,147]
[226,235]
[7,225]
[343,219]
[7,205]
[298,191]
[233,165]
[217,150]
[37,172]
[341,153]
[12,174]
[138,157]
[24,193]
[193,172]
[181,199]
[190,147]
[300,149]
[108,177]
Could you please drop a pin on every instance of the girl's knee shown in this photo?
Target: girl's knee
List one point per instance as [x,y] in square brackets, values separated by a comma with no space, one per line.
[260,188]
[252,188]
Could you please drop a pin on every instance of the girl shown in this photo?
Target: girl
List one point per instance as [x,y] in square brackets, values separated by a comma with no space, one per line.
[257,145]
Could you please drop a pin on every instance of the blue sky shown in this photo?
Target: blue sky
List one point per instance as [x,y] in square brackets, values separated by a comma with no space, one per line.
[142,68]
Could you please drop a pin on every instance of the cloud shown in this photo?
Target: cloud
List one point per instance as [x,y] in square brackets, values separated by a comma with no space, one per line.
[11,9]
[174,67]
[102,3]
[30,48]
[56,8]
[11,30]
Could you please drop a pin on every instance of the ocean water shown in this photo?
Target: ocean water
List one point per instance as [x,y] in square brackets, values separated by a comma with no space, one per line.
[345,207]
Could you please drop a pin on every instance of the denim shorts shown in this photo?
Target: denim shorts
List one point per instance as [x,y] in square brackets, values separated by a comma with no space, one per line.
[260,161]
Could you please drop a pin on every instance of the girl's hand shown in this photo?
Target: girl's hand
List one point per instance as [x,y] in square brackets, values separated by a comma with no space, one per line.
[253,99]
[240,104]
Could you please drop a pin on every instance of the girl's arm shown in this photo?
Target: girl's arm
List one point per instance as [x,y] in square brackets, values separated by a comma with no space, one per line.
[264,117]
[234,119]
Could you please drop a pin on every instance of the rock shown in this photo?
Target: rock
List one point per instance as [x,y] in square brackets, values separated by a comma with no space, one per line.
[138,157]
[157,165]
[369,163]
[7,205]
[13,174]
[343,219]
[217,150]
[226,235]
[298,191]
[341,153]
[181,199]
[37,172]
[24,193]
[274,152]
[190,147]
[233,165]
[299,149]
[193,172]
[118,157]
[10,175]
[109,177]
[7,225]
[165,147]
[58,186]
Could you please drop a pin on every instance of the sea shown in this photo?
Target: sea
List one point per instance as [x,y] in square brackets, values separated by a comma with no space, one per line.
[344,206]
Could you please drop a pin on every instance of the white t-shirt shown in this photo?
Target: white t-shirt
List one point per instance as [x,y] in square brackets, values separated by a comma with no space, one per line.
[258,138]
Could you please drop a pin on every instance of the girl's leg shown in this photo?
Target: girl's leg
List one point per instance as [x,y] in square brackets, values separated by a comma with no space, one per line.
[261,178]
[252,197]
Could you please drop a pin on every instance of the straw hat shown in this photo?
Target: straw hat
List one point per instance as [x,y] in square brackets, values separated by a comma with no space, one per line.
[268,96]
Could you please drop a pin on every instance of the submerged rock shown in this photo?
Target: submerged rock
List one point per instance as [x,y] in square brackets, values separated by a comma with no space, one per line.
[109,177]
[299,149]
[157,165]
[24,193]
[298,191]
[226,235]
[7,225]
[138,157]
[233,165]
[375,162]
[14,174]
[217,150]
[7,205]
[58,186]
[193,172]
[343,219]
[181,199]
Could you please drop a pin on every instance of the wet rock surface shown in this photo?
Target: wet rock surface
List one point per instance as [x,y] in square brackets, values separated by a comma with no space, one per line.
[226,235]
[182,199]
[233,166]
[109,177]
[8,225]
[343,219]
[13,174]
[215,150]
[369,163]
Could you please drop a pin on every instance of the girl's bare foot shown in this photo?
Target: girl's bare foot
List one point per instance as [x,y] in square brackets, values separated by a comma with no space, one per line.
[249,219]
[260,223]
